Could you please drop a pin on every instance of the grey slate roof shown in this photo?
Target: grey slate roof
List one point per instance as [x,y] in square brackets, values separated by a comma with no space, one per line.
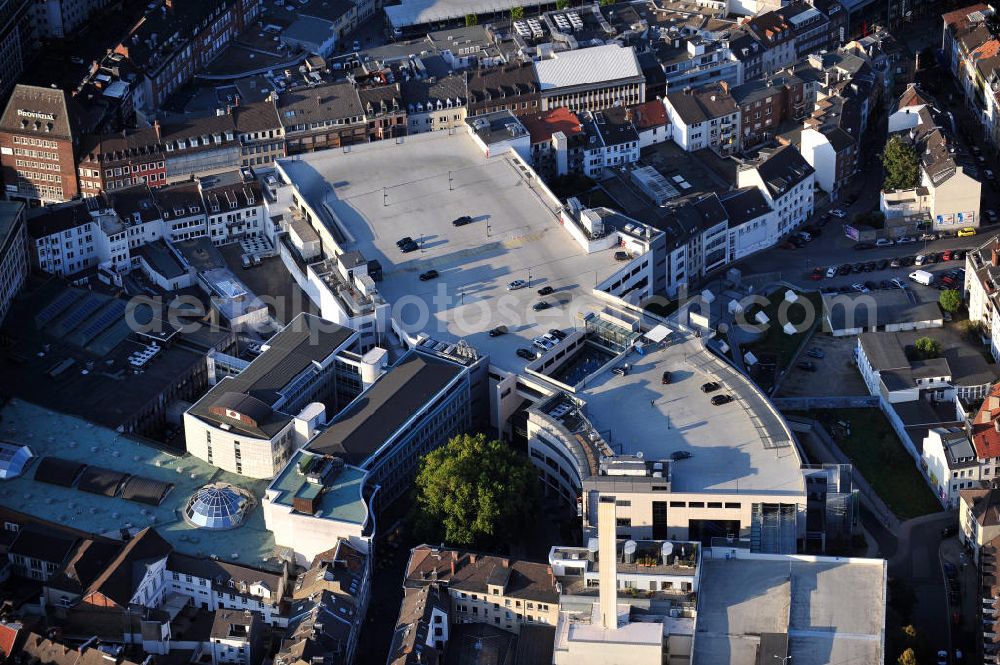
[305,340]
[379,412]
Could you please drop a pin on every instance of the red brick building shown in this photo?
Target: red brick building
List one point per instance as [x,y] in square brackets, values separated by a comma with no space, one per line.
[38,135]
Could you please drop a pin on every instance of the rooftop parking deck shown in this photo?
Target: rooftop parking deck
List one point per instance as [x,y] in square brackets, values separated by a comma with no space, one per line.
[382,192]
[742,446]
[52,433]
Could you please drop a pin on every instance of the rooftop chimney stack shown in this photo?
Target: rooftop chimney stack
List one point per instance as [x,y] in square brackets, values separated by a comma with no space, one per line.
[995,256]
[608,556]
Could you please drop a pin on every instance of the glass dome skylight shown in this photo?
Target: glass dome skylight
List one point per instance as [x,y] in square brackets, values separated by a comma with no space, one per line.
[218,506]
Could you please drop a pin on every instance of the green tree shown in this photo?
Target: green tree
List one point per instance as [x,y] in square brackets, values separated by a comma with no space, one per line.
[910,631]
[471,20]
[950,300]
[517,13]
[908,657]
[927,348]
[902,167]
[605,3]
[562,4]
[474,492]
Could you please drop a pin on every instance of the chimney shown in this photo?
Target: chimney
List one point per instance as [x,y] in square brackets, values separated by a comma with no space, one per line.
[608,556]
[453,567]
[552,576]
[156,128]
[472,558]
[725,86]
[995,255]
[505,563]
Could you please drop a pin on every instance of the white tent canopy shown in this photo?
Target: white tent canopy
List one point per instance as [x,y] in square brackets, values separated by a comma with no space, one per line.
[658,334]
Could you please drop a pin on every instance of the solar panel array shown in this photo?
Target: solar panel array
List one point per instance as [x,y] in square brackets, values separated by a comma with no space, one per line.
[79,313]
[105,319]
[56,307]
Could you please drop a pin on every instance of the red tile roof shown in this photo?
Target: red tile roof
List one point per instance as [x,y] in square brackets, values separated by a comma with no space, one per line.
[986,426]
[541,126]
[912,96]
[8,636]
[961,15]
[649,114]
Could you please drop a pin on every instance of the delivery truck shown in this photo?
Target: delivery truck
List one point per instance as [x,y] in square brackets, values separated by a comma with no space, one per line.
[922,277]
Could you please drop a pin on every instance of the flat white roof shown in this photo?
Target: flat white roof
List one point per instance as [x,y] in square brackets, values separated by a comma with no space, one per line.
[743,446]
[585,66]
[418,12]
[832,609]
[383,191]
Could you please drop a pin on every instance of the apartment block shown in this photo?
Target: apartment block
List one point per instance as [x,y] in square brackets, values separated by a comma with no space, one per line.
[767,103]
[947,195]
[14,262]
[706,117]
[786,180]
[176,38]
[503,592]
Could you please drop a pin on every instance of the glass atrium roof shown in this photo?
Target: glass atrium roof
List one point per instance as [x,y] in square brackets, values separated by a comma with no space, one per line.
[218,506]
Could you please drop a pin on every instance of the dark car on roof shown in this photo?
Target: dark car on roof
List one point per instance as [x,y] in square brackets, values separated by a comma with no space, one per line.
[678,455]
[461,221]
[526,354]
[540,305]
[719,400]
[545,290]
[430,274]
[709,387]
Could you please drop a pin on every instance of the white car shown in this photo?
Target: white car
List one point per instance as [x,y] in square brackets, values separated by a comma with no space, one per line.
[543,343]
[831,271]
[883,242]
[837,212]
[902,240]
[516,284]
[860,288]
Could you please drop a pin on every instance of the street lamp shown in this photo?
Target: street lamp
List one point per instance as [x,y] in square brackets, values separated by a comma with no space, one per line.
[529,276]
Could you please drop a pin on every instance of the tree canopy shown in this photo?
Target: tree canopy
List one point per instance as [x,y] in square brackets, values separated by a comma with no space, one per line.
[517,13]
[473,492]
[927,348]
[902,167]
[950,300]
